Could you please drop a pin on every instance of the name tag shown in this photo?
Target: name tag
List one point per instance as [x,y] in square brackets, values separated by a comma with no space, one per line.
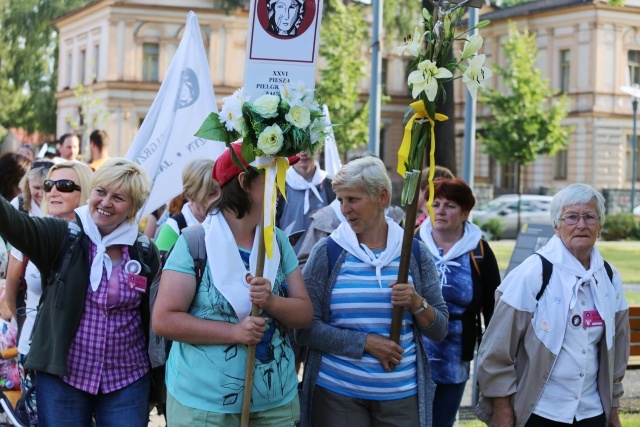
[138,283]
[592,318]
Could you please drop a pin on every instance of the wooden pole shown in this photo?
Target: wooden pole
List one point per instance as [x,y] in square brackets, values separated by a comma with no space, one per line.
[405,254]
[251,350]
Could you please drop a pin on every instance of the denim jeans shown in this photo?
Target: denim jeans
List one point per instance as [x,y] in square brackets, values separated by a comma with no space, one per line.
[60,404]
[446,403]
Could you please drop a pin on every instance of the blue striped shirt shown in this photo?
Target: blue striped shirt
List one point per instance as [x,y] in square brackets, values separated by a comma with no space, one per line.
[359,303]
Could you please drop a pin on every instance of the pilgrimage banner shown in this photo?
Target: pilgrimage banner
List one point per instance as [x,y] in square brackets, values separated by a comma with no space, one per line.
[282,44]
[165,142]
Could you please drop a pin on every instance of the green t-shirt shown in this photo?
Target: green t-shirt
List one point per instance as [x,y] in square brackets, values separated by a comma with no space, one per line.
[211,377]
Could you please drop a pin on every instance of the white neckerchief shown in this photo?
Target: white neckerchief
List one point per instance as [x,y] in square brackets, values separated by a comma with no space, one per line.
[125,234]
[226,266]
[35,209]
[468,242]
[189,217]
[347,239]
[297,182]
[335,205]
[555,318]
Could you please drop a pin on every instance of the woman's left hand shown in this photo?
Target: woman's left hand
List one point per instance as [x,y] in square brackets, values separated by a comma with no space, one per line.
[259,290]
[404,295]
[614,418]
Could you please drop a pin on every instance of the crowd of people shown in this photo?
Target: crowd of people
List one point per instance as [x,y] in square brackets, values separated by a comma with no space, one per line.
[554,333]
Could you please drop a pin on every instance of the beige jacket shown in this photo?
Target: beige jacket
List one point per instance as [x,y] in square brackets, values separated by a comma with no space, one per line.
[514,362]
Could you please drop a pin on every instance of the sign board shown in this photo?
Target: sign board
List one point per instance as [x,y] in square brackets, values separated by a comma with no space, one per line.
[282,44]
[530,238]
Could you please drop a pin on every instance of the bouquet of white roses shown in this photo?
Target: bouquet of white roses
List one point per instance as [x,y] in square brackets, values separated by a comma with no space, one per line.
[282,125]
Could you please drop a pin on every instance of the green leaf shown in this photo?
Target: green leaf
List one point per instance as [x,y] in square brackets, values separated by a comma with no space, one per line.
[213,129]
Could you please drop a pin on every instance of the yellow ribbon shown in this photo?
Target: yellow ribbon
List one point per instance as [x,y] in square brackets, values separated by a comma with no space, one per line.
[405,146]
[275,175]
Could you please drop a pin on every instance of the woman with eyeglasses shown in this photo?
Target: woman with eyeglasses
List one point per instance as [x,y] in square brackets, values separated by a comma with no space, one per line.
[65,188]
[89,341]
[557,346]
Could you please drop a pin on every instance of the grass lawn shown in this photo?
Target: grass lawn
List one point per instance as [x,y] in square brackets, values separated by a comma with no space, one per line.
[627,420]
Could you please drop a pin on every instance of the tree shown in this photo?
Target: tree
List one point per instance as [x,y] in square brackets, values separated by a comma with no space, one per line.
[527,119]
[343,34]
[29,62]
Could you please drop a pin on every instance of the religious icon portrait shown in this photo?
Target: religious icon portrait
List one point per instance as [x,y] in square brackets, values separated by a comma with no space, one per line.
[285,17]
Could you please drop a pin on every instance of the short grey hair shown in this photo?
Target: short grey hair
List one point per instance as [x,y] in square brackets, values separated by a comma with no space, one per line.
[366,173]
[575,194]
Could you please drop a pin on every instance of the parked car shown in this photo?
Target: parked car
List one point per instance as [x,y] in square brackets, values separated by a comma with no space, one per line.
[534,210]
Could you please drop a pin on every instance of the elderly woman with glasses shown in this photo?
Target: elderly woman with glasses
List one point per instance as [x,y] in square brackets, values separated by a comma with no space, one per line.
[557,347]
[89,341]
[65,189]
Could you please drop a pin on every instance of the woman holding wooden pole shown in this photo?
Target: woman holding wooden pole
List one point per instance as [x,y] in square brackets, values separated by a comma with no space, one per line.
[211,323]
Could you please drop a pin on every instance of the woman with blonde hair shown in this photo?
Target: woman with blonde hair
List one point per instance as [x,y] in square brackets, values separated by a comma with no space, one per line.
[65,188]
[89,341]
[200,190]
[31,185]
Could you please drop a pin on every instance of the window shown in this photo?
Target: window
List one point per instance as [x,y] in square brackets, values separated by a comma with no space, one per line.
[384,67]
[69,70]
[96,59]
[634,67]
[565,69]
[629,159]
[82,66]
[150,55]
[560,165]
[382,147]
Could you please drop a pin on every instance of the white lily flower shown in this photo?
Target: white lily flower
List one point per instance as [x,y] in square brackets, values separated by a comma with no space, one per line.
[476,74]
[424,79]
[412,44]
[471,46]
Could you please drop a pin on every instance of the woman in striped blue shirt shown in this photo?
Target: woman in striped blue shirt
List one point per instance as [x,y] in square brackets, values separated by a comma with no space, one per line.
[354,374]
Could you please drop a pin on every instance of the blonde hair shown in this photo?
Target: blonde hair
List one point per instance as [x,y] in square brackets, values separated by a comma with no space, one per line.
[123,174]
[84,181]
[366,173]
[34,174]
[197,182]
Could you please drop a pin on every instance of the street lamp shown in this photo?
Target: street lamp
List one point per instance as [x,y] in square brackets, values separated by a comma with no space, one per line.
[634,91]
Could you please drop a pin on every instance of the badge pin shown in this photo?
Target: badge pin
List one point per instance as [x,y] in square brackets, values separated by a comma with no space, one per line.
[576,320]
[133,267]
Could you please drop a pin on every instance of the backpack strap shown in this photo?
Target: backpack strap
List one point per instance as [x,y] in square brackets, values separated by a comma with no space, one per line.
[180,220]
[61,265]
[607,267]
[477,256]
[333,252]
[21,203]
[194,236]
[415,250]
[547,270]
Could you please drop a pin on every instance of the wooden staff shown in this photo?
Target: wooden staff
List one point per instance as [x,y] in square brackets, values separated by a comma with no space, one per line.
[251,350]
[405,254]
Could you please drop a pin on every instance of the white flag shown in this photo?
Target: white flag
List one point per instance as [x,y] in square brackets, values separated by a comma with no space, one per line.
[332,161]
[165,142]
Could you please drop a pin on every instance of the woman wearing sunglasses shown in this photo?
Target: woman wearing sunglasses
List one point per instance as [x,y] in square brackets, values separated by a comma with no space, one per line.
[89,343]
[65,188]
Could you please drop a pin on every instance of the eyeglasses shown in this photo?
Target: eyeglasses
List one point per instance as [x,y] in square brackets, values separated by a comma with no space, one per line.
[41,164]
[62,185]
[573,219]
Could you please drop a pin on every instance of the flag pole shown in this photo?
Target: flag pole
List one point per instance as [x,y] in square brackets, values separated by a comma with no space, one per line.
[251,350]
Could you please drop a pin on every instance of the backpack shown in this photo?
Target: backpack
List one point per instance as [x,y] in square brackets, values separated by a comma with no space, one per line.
[547,270]
[159,346]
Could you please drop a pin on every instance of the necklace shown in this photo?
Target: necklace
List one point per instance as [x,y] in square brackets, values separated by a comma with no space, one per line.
[373,248]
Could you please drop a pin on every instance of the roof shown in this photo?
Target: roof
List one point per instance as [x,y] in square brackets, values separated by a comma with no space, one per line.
[533,7]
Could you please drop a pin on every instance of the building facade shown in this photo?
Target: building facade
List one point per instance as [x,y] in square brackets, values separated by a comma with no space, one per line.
[120,50]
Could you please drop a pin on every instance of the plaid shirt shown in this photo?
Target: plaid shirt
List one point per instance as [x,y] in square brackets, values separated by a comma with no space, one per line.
[109,349]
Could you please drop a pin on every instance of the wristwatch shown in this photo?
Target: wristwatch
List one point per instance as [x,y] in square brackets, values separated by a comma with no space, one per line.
[422,308]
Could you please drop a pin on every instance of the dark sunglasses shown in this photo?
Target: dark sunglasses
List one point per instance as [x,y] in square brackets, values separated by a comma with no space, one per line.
[62,185]
[41,164]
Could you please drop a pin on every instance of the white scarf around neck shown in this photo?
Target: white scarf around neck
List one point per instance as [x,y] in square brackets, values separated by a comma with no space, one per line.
[189,217]
[335,206]
[468,242]
[547,308]
[347,239]
[297,182]
[226,266]
[125,234]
